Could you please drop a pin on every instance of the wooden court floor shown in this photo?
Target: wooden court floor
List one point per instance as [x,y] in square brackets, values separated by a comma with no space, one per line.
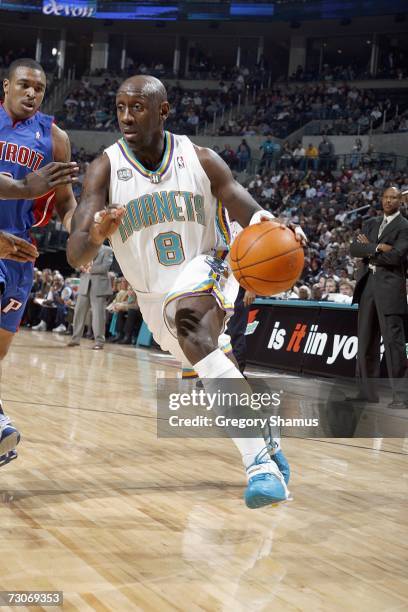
[98,507]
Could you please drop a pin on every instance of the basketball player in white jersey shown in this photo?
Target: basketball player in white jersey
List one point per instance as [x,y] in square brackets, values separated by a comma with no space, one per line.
[158,198]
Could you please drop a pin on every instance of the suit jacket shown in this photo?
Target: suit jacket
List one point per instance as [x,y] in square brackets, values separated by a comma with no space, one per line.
[97,279]
[389,277]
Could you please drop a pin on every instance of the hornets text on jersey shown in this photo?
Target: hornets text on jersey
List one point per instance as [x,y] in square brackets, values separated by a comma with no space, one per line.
[171,214]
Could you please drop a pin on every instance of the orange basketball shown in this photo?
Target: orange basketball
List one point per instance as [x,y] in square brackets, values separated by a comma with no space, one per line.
[266,258]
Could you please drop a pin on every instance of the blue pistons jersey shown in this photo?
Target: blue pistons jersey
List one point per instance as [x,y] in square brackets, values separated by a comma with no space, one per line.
[25,146]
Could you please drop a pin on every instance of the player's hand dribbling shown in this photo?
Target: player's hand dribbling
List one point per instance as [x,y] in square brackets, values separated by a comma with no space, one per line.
[296,229]
[50,176]
[17,249]
[299,233]
[106,222]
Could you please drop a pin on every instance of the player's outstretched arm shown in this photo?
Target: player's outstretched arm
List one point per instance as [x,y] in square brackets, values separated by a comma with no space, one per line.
[39,182]
[239,203]
[65,202]
[88,235]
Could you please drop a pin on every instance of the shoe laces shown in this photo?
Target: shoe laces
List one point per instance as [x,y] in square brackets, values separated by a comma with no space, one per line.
[271,444]
[264,468]
[262,465]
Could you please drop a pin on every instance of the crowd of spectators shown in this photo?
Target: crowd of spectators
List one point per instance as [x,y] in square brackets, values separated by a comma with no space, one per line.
[285,108]
[91,106]
[201,67]
[242,105]
[330,205]
[51,305]
[393,66]
[282,109]
[313,156]
[399,123]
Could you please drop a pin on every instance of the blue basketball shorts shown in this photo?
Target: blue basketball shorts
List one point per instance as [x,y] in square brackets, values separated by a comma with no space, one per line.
[16,280]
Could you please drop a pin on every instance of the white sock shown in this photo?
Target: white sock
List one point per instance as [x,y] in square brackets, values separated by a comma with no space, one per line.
[211,369]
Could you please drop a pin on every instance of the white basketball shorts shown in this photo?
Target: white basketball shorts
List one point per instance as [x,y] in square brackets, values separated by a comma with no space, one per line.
[203,275]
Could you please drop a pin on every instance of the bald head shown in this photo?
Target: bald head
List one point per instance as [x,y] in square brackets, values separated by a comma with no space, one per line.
[394,191]
[146,86]
[391,200]
[142,109]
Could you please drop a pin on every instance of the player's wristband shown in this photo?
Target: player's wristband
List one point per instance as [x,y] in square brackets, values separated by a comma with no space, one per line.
[261,214]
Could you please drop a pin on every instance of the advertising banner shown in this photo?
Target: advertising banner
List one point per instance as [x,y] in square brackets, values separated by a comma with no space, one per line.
[69,8]
[208,10]
[313,339]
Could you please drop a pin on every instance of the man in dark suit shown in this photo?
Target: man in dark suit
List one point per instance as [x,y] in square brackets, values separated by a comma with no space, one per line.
[94,287]
[381,294]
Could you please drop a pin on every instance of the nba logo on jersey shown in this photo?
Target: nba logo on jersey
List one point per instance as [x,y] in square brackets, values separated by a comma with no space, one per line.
[155,178]
[124,174]
[37,135]
[180,162]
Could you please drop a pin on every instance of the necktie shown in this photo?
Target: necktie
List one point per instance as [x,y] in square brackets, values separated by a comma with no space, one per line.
[382,226]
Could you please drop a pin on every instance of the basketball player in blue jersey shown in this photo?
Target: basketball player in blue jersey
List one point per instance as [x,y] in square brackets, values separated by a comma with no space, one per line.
[29,141]
[164,222]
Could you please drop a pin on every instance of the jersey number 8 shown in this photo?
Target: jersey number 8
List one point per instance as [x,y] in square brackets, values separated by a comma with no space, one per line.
[169,249]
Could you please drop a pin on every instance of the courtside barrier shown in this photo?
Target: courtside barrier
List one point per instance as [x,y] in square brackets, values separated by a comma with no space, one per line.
[303,337]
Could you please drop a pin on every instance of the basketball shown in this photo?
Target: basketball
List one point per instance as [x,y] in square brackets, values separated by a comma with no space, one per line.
[266,258]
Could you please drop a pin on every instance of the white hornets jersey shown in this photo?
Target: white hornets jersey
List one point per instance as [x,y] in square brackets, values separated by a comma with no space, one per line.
[171,215]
